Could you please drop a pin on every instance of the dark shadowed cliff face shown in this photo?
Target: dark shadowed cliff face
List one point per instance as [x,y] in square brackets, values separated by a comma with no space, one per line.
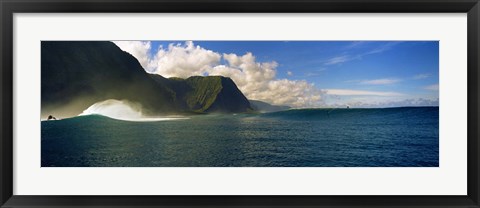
[207,94]
[229,98]
[77,74]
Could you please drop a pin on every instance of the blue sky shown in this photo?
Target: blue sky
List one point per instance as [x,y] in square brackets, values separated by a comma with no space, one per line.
[354,73]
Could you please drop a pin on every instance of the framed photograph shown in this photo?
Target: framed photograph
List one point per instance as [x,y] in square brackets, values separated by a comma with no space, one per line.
[270,103]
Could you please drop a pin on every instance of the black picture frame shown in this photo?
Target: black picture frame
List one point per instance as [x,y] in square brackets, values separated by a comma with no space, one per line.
[9,7]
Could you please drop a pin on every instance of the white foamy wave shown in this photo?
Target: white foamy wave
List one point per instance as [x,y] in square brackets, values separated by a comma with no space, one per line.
[122,110]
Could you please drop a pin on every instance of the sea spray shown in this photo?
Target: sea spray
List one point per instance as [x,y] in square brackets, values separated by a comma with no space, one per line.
[122,110]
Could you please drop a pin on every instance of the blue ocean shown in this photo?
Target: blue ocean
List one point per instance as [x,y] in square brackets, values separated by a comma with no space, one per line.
[386,137]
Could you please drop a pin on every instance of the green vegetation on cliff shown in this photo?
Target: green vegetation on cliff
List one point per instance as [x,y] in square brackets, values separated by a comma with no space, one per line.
[207,94]
[77,74]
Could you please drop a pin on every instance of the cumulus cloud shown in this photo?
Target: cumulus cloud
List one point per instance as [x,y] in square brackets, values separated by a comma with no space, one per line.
[178,60]
[139,49]
[380,81]
[256,80]
[183,60]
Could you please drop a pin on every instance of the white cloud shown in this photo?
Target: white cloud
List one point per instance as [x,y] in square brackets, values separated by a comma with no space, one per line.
[379,81]
[355,44]
[382,48]
[180,60]
[183,60]
[256,80]
[345,58]
[421,76]
[139,49]
[433,87]
[338,60]
[360,92]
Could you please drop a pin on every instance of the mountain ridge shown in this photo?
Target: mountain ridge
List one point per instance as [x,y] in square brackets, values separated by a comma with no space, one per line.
[77,74]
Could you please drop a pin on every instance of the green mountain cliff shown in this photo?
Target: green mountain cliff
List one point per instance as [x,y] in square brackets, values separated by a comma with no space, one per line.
[77,74]
[206,94]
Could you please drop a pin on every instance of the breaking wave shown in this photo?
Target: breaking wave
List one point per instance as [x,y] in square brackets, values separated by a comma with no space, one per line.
[122,110]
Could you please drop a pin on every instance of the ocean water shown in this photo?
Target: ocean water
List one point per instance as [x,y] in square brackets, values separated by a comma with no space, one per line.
[389,137]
